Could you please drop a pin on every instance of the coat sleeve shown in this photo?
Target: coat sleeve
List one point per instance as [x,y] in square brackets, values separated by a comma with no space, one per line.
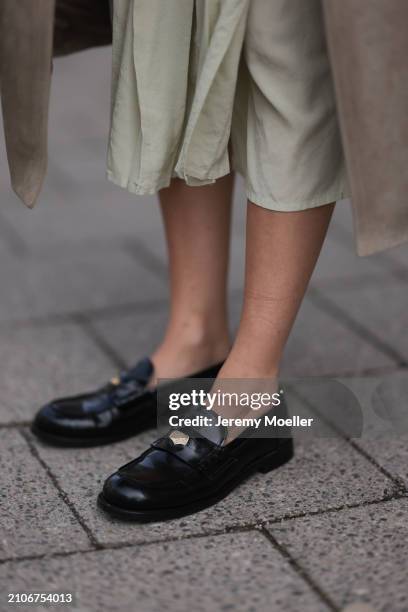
[26,35]
[368,45]
[30,34]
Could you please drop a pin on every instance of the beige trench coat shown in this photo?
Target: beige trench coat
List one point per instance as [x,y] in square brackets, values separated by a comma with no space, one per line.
[368,44]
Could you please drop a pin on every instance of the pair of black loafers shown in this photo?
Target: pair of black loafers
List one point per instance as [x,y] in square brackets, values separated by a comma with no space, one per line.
[181,473]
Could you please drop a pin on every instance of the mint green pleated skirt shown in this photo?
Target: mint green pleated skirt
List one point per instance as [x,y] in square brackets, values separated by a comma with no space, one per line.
[204,87]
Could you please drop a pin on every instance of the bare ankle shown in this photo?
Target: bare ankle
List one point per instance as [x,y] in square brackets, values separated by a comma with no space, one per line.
[249,366]
[188,349]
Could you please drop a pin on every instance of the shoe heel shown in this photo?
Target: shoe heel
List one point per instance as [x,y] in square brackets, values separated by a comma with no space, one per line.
[280,456]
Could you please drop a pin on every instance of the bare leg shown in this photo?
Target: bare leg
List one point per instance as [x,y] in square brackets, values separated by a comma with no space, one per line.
[281,252]
[197,226]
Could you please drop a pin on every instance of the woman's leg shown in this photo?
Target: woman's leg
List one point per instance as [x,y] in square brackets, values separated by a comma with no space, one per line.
[197,227]
[197,223]
[281,252]
[282,249]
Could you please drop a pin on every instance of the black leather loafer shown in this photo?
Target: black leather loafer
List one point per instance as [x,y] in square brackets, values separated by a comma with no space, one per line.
[122,408]
[180,474]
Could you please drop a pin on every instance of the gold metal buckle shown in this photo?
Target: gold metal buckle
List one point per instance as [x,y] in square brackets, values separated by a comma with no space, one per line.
[179,438]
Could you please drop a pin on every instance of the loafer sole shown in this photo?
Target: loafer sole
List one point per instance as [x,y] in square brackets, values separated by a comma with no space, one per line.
[76,442]
[265,464]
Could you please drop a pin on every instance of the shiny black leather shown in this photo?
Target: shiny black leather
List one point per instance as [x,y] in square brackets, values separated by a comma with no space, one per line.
[170,480]
[114,412]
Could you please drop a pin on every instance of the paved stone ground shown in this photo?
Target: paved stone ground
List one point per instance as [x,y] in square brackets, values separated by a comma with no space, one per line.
[83,292]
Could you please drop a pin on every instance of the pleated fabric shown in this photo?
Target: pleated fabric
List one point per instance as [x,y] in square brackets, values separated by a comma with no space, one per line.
[202,87]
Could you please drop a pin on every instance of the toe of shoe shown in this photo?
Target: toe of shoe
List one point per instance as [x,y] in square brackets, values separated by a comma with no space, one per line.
[46,419]
[120,492]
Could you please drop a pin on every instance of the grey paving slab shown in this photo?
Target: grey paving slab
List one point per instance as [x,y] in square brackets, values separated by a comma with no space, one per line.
[339,265]
[339,260]
[320,345]
[86,112]
[76,213]
[399,255]
[343,221]
[391,452]
[6,248]
[78,208]
[240,572]
[356,554]
[34,519]
[382,308]
[81,473]
[239,209]
[342,216]
[133,335]
[237,262]
[80,281]
[40,363]
[385,435]
[326,473]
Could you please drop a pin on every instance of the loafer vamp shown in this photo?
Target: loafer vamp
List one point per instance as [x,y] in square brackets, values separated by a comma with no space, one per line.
[182,473]
[123,407]
[65,417]
[157,479]
[123,492]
